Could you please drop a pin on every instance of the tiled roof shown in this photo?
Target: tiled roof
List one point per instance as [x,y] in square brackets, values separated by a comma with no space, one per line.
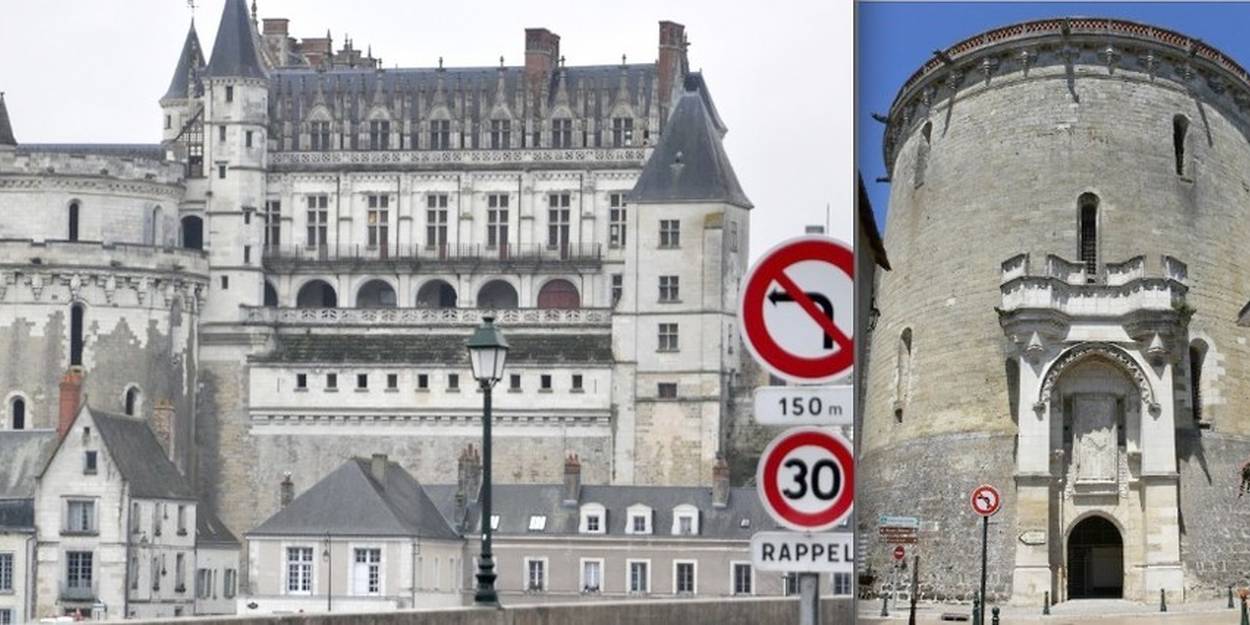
[444,349]
[140,458]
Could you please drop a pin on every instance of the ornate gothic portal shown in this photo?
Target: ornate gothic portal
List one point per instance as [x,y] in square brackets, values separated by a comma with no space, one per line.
[1096,472]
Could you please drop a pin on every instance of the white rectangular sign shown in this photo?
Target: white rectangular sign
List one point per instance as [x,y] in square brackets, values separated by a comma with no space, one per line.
[898,521]
[805,405]
[790,552]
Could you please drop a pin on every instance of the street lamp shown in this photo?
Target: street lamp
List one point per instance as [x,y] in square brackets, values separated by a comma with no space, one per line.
[487,352]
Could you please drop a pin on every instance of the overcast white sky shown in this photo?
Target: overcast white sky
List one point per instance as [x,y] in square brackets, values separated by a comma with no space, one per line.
[780,72]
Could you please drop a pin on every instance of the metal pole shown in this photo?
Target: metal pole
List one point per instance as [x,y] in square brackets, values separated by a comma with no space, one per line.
[809,599]
[485,565]
[985,533]
[915,589]
[329,572]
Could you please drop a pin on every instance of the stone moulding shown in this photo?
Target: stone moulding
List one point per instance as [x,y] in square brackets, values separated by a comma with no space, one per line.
[581,317]
[1108,351]
[633,157]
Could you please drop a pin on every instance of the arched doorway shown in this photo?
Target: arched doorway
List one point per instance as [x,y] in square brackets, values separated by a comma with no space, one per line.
[317,294]
[559,294]
[497,294]
[436,294]
[192,232]
[1095,560]
[375,294]
[271,295]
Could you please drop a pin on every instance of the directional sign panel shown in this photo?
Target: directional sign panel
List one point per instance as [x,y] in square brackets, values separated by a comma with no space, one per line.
[804,405]
[806,479]
[791,552]
[886,520]
[797,309]
[986,500]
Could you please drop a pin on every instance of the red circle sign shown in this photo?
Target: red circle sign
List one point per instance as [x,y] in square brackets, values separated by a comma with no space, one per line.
[806,479]
[986,500]
[899,552]
[796,309]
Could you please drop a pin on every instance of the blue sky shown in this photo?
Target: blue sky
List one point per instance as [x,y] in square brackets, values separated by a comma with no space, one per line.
[894,38]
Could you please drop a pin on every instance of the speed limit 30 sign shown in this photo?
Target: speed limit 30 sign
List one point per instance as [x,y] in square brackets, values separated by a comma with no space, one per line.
[806,479]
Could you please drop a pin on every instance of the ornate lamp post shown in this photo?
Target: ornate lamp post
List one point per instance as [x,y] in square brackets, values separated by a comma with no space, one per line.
[487,352]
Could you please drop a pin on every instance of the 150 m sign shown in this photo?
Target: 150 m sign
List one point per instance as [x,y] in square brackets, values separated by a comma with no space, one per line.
[804,405]
[806,479]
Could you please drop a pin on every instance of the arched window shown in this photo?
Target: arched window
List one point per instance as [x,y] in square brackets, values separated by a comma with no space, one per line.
[922,152]
[76,313]
[375,294]
[271,295]
[132,400]
[1197,358]
[192,232]
[1087,247]
[436,294]
[73,221]
[497,294]
[559,294]
[1180,128]
[317,294]
[17,412]
[902,373]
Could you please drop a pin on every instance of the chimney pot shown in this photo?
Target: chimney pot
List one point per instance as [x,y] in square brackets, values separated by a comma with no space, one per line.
[286,490]
[572,479]
[275,26]
[377,466]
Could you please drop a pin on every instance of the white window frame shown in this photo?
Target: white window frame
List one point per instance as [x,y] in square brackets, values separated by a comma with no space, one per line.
[833,584]
[685,510]
[6,576]
[694,576]
[381,564]
[6,616]
[592,509]
[537,523]
[581,575]
[286,570]
[733,579]
[94,526]
[629,579]
[525,574]
[639,510]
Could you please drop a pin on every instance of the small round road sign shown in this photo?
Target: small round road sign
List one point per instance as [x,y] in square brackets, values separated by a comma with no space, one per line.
[806,479]
[899,552]
[986,500]
[797,309]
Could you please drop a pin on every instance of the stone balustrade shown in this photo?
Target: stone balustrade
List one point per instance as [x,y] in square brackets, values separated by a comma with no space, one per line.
[443,317]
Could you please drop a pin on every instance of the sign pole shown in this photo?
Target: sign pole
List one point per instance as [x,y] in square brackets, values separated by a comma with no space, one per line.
[809,598]
[985,531]
[915,588]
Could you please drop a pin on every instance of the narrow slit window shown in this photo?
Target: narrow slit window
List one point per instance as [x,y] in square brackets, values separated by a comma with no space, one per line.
[1180,128]
[73,221]
[75,334]
[1088,246]
[922,153]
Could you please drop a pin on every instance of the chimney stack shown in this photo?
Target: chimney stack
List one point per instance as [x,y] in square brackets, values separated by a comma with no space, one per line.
[163,420]
[286,490]
[720,483]
[671,66]
[468,474]
[542,52]
[572,480]
[377,467]
[71,399]
[276,26]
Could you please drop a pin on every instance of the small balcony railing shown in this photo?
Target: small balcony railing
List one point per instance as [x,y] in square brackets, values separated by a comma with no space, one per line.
[79,590]
[448,253]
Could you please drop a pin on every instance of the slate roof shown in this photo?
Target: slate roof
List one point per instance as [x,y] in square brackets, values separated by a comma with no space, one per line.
[140,458]
[22,456]
[689,163]
[152,151]
[209,530]
[6,129]
[351,502]
[515,503]
[17,514]
[190,65]
[234,52]
[442,349]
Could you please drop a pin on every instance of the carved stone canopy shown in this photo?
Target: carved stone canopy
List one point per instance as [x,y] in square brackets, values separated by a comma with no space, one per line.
[1107,351]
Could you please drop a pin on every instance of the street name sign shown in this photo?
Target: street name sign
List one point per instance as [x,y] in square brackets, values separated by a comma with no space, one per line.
[804,405]
[797,309]
[806,479]
[794,552]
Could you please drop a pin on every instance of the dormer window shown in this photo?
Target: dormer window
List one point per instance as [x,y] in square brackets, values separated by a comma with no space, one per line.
[685,520]
[593,519]
[494,522]
[638,520]
[538,522]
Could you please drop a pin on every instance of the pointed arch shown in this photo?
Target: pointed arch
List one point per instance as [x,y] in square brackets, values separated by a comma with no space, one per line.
[1107,351]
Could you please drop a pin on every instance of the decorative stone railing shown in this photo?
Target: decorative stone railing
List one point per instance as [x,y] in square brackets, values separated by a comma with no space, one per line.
[385,158]
[1121,288]
[445,317]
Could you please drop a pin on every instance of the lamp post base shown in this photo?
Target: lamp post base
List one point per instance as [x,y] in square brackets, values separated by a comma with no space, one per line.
[485,594]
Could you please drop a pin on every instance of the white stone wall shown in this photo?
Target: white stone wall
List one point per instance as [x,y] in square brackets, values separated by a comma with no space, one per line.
[216,598]
[21,547]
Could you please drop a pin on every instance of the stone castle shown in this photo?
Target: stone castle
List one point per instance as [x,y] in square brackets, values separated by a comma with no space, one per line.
[1085,350]
[287,280]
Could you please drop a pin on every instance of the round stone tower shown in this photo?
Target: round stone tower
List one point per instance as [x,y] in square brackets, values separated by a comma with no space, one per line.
[1068,215]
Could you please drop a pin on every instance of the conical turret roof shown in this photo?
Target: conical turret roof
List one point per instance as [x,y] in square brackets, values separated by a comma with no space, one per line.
[234,53]
[190,66]
[6,130]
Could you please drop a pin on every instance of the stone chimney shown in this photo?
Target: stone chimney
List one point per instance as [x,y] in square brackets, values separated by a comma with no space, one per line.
[377,468]
[572,480]
[164,419]
[286,490]
[71,398]
[671,66]
[542,53]
[276,26]
[720,483]
[468,474]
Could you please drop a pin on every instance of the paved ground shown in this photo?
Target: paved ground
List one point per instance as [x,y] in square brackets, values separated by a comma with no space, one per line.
[1099,612]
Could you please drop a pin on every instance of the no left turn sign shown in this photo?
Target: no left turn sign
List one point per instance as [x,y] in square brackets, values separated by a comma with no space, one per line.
[797,309]
[986,500]
[806,479]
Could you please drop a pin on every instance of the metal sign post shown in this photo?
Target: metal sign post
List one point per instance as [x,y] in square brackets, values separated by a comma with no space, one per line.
[985,502]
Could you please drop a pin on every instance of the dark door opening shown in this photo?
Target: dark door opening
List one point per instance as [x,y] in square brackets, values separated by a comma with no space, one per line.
[1095,560]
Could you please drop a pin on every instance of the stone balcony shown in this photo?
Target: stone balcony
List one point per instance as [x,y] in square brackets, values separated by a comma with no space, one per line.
[544,318]
[444,258]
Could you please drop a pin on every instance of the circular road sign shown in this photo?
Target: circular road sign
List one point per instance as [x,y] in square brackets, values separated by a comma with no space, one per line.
[899,552]
[796,309]
[806,479]
[986,500]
